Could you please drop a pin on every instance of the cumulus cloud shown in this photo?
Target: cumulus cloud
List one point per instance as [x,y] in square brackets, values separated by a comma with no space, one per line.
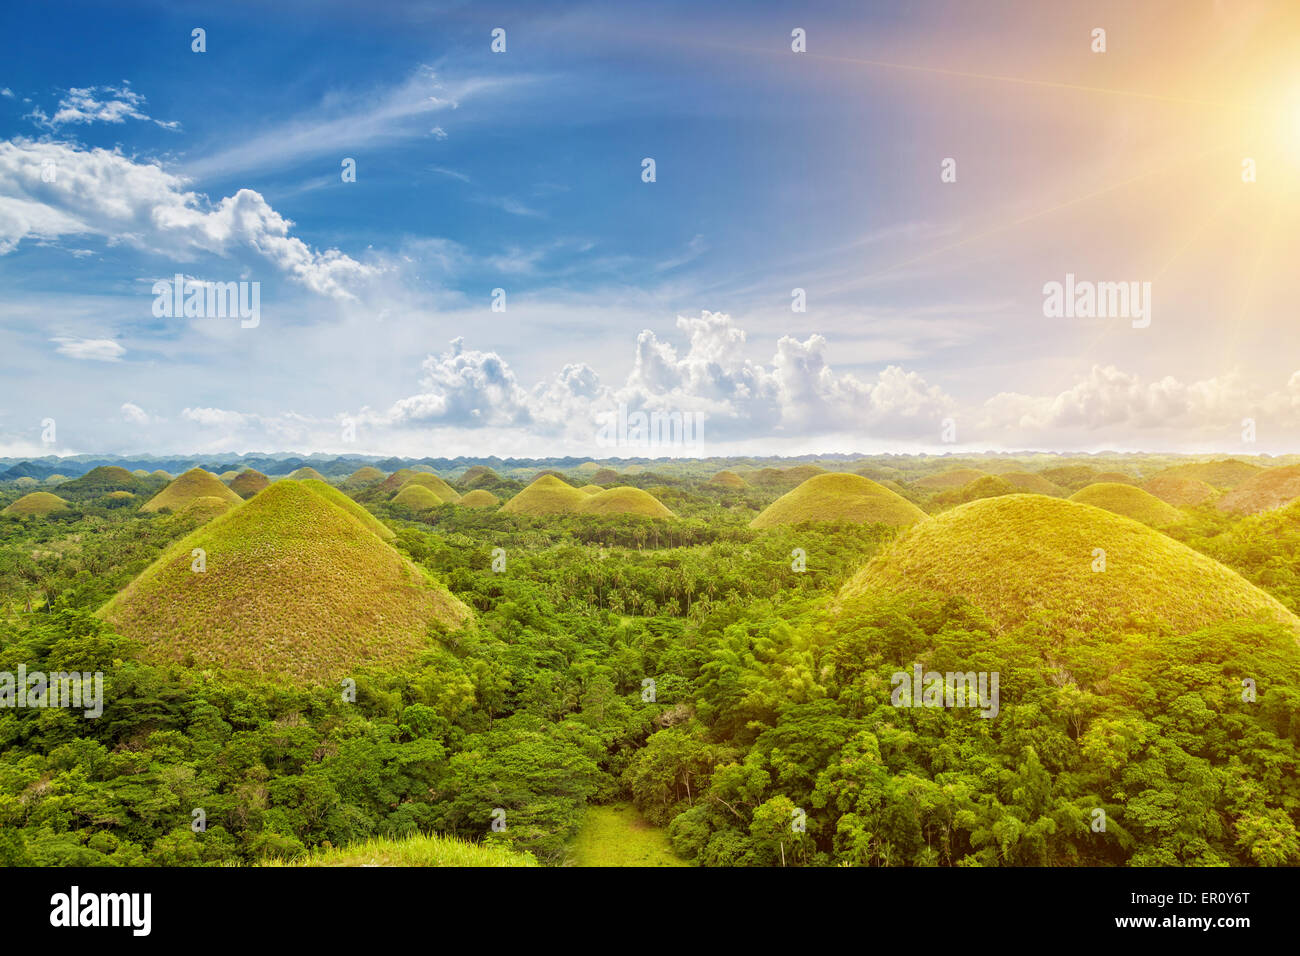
[101,192]
[464,387]
[96,104]
[99,350]
[133,414]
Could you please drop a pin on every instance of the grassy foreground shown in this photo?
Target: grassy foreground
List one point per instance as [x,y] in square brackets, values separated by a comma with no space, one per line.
[617,835]
[422,850]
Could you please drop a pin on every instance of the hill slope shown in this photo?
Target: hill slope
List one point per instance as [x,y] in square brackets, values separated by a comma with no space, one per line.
[417,497]
[839,497]
[419,850]
[445,492]
[184,490]
[1021,556]
[248,482]
[1271,488]
[1226,473]
[35,504]
[333,495]
[547,495]
[625,500]
[729,479]
[478,498]
[1129,501]
[294,586]
[1179,490]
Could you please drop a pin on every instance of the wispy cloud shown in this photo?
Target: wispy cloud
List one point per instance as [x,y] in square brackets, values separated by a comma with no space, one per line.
[96,104]
[96,350]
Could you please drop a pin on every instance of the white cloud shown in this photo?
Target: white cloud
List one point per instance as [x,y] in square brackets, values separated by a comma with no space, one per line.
[99,350]
[133,414]
[96,104]
[98,192]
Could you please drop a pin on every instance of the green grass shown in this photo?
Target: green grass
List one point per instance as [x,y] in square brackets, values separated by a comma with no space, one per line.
[248,482]
[478,475]
[1226,473]
[956,478]
[729,479]
[1129,501]
[183,491]
[422,850]
[366,475]
[478,498]
[1022,557]
[445,492]
[333,495]
[1180,490]
[306,472]
[616,835]
[839,497]
[625,500]
[417,497]
[547,495]
[295,586]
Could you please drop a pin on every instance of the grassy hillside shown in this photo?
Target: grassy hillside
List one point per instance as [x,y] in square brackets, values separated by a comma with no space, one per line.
[248,482]
[35,504]
[1031,483]
[397,479]
[1179,490]
[417,497]
[625,500]
[100,481]
[547,495]
[304,473]
[1270,488]
[294,586]
[1225,473]
[478,498]
[194,484]
[1131,502]
[477,476]
[955,478]
[333,495]
[445,492]
[421,850]
[366,475]
[839,497]
[617,835]
[981,552]
[729,479]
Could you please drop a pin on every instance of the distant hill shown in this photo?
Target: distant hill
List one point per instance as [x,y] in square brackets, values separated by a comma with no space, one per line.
[478,498]
[1022,557]
[1031,483]
[1225,473]
[839,497]
[478,476]
[100,481]
[195,483]
[445,492]
[36,504]
[625,500]
[417,497]
[1179,490]
[1270,488]
[248,483]
[304,473]
[1131,502]
[547,495]
[956,478]
[729,479]
[366,476]
[294,586]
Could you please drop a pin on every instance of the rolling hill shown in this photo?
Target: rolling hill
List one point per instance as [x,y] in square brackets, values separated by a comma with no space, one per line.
[195,483]
[1179,490]
[294,586]
[478,498]
[944,480]
[477,476]
[839,497]
[333,495]
[1023,557]
[1270,488]
[306,472]
[729,479]
[366,475]
[248,482]
[417,497]
[36,504]
[1129,501]
[100,481]
[1225,473]
[546,495]
[1031,483]
[445,492]
[625,500]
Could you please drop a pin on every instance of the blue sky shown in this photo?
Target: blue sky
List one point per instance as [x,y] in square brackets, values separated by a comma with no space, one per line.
[521,171]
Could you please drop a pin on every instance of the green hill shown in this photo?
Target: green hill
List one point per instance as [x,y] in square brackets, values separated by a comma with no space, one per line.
[729,479]
[1225,473]
[195,483]
[1131,502]
[944,480]
[294,586]
[419,850]
[478,476]
[397,479]
[1270,488]
[625,500]
[1179,490]
[228,476]
[100,481]
[478,498]
[161,475]
[366,475]
[1071,477]
[334,496]
[1022,557]
[445,492]
[591,489]
[36,504]
[417,497]
[547,495]
[839,497]
[304,473]
[784,477]
[1031,484]
[140,473]
[207,507]
[249,482]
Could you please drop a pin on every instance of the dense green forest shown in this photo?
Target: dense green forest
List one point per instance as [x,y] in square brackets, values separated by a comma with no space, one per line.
[690,666]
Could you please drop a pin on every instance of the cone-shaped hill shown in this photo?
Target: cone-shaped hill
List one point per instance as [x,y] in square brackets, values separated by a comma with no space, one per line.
[332,494]
[161,475]
[729,479]
[1271,488]
[248,482]
[1030,483]
[625,500]
[397,479]
[1021,556]
[591,489]
[478,498]
[206,507]
[305,472]
[1179,490]
[603,476]
[1226,473]
[417,497]
[445,492]
[1129,501]
[366,475]
[839,497]
[36,504]
[476,476]
[195,483]
[294,586]
[100,481]
[547,495]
